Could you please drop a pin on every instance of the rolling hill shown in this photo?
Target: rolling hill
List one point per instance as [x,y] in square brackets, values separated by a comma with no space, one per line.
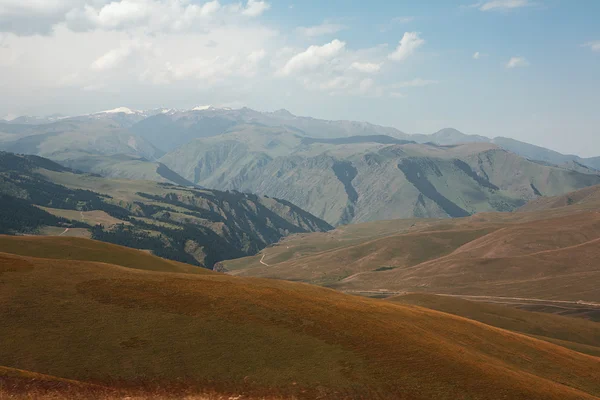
[68,248]
[145,330]
[545,255]
[577,334]
[186,224]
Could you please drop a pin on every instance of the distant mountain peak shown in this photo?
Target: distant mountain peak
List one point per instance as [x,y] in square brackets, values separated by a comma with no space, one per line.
[203,108]
[283,113]
[119,110]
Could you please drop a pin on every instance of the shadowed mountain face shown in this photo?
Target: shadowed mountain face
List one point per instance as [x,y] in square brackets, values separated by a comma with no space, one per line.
[366,178]
[200,227]
[340,171]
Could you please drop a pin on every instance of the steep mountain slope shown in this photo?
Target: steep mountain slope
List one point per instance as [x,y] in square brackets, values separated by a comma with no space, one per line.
[542,154]
[365,178]
[111,324]
[215,137]
[171,130]
[195,226]
[450,136]
[76,137]
[122,166]
[99,143]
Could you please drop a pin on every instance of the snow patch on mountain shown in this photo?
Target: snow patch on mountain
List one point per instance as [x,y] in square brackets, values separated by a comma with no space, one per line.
[120,110]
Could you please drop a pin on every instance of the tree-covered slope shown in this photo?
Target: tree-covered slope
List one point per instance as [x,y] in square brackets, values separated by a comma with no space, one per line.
[191,225]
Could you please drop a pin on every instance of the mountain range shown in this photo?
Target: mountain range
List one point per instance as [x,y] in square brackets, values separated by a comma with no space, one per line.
[200,227]
[340,171]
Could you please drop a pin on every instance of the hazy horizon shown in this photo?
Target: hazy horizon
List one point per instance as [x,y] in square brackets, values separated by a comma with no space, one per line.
[524,69]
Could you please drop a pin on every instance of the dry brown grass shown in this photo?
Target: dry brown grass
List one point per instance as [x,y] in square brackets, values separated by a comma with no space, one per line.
[547,254]
[122,327]
[576,334]
[72,248]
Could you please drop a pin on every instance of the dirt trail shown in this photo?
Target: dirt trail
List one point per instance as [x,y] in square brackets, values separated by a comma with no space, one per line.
[65,231]
[494,299]
[262,262]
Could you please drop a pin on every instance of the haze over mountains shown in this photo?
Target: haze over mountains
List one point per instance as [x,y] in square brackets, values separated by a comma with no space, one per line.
[340,171]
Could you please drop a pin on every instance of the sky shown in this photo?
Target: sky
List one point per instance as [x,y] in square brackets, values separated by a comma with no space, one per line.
[526,69]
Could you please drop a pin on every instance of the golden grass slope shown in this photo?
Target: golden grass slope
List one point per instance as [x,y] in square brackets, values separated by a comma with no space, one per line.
[73,248]
[554,260]
[547,254]
[574,333]
[94,322]
[587,198]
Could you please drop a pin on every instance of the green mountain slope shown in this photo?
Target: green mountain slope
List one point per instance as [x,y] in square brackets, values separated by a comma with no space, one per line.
[366,178]
[195,226]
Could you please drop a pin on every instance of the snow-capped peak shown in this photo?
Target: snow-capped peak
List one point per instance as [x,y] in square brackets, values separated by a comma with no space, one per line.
[202,108]
[120,110]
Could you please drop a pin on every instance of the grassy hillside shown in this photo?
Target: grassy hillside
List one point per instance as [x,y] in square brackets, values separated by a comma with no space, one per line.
[181,223]
[383,254]
[72,248]
[539,255]
[99,323]
[577,334]
[587,198]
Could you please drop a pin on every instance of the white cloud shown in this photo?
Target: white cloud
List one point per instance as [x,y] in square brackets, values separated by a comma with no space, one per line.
[28,17]
[501,5]
[337,83]
[417,82]
[255,8]
[477,55]
[326,28]
[152,15]
[312,58]
[366,67]
[516,62]
[31,17]
[407,46]
[397,95]
[115,57]
[33,6]
[594,46]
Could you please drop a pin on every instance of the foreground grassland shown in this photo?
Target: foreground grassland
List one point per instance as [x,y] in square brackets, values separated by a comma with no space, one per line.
[134,329]
[575,333]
